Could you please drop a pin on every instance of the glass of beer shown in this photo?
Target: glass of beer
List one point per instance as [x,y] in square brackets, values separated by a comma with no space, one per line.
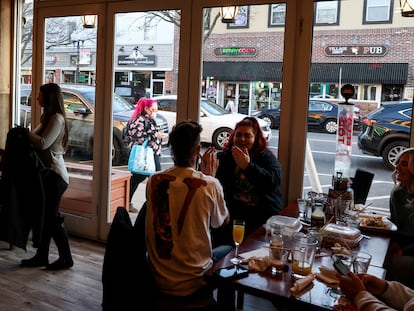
[238,236]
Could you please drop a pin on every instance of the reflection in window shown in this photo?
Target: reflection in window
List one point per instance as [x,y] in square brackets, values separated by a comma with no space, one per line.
[277,13]
[377,11]
[326,12]
[150,29]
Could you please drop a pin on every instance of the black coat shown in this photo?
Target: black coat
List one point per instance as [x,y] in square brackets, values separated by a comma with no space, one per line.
[21,191]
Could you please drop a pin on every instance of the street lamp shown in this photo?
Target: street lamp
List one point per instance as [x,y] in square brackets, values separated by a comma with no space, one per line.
[407,8]
[228,14]
[77,72]
[88,21]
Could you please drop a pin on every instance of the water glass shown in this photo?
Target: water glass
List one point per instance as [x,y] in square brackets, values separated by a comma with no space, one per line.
[342,205]
[278,257]
[302,207]
[361,262]
[318,235]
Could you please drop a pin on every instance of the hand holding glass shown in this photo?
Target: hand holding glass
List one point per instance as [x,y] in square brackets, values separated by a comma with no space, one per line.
[238,236]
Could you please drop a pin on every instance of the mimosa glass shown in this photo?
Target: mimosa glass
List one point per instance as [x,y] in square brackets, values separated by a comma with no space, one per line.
[238,236]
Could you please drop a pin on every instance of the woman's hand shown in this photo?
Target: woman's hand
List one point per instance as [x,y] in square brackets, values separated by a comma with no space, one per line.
[374,285]
[209,162]
[241,156]
[159,135]
[350,285]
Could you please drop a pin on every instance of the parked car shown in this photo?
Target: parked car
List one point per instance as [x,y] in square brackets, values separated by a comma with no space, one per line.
[217,122]
[322,115]
[79,103]
[386,131]
[323,96]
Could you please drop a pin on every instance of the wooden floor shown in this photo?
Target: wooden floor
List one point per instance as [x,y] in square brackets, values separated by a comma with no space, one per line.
[76,289]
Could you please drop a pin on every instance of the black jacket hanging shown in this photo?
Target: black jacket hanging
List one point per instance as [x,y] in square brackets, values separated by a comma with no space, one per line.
[21,191]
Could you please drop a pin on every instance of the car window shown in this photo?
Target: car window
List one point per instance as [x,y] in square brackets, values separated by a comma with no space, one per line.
[73,102]
[120,104]
[319,106]
[212,108]
[167,105]
[407,113]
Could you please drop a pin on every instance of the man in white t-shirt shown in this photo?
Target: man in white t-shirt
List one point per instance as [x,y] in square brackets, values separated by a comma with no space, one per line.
[182,205]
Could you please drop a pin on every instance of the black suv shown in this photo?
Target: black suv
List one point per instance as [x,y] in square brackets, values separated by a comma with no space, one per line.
[386,131]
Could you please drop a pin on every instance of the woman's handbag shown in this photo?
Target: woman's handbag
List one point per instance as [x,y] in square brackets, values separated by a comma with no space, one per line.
[141,159]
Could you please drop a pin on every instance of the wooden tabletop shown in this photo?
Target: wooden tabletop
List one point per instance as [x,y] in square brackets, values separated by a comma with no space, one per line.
[318,295]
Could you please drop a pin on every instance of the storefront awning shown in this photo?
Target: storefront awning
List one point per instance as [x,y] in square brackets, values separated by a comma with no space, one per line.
[243,71]
[362,73]
[356,73]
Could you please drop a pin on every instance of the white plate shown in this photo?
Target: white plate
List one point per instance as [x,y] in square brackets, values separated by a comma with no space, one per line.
[388,224]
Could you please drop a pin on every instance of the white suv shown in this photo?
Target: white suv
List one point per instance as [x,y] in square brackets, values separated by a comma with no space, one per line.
[217,122]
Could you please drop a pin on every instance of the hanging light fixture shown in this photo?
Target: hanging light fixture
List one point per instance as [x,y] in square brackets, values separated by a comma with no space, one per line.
[228,14]
[407,8]
[88,21]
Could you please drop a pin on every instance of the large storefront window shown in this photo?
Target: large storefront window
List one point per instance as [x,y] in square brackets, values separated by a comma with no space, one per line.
[339,57]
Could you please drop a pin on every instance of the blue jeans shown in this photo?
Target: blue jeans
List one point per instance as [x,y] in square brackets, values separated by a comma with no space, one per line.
[220,251]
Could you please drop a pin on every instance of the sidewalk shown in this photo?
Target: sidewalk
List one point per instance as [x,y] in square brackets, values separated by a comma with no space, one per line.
[138,199]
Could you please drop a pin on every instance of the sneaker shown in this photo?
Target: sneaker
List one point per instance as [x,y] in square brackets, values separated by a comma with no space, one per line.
[35,261]
[132,209]
[60,264]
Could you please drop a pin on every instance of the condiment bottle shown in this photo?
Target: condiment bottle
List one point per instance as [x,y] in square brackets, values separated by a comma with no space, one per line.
[318,216]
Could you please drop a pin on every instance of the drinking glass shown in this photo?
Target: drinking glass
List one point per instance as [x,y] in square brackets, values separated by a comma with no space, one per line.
[238,235]
[361,262]
[302,209]
[278,258]
[303,254]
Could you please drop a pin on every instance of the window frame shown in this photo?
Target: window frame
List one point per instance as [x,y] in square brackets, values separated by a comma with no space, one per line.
[273,7]
[319,9]
[366,9]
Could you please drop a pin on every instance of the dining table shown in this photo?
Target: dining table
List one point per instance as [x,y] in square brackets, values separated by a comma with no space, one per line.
[277,287]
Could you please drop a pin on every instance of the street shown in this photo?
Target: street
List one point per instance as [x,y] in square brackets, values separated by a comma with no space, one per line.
[323,150]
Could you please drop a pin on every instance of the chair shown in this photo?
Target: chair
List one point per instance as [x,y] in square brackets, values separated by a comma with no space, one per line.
[361,183]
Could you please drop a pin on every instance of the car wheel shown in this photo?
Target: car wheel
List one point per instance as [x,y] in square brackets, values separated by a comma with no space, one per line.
[269,120]
[391,151]
[220,137]
[330,126]
[116,152]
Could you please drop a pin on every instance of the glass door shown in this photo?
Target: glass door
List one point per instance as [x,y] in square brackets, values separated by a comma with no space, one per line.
[65,51]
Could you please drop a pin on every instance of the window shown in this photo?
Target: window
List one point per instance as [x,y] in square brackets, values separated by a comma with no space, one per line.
[150,29]
[277,13]
[242,19]
[327,13]
[377,11]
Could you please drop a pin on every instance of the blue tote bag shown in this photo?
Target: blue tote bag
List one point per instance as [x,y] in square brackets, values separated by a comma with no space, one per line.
[141,159]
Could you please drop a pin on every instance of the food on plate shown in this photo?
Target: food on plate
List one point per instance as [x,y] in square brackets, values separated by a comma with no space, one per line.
[339,249]
[374,221]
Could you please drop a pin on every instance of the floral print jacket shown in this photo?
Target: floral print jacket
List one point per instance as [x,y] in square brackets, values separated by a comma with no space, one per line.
[143,128]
